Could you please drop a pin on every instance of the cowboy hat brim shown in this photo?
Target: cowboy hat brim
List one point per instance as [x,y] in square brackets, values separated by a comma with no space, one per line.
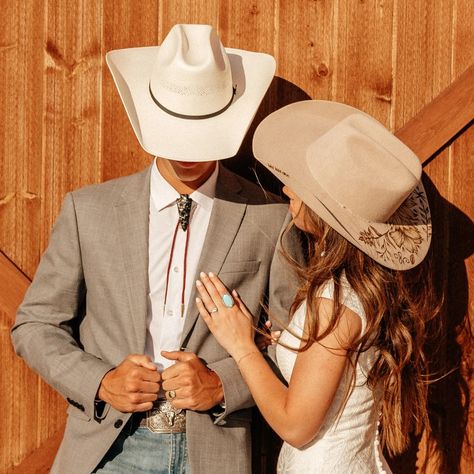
[190,139]
[281,142]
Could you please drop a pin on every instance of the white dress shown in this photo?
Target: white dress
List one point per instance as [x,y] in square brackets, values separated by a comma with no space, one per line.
[347,442]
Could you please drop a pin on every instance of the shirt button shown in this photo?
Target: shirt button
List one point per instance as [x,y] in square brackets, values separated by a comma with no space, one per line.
[118,423]
[176,269]
[169,312]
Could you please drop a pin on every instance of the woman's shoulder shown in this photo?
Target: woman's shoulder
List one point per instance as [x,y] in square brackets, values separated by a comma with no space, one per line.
[347,297]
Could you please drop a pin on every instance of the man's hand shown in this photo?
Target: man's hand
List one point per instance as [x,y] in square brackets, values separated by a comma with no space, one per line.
[132,386]
[196,386]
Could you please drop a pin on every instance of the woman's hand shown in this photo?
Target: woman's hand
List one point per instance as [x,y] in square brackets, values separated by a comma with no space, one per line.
[231,326]
[266,337]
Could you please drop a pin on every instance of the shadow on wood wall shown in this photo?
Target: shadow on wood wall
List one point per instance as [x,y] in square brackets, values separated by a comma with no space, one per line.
[450,353]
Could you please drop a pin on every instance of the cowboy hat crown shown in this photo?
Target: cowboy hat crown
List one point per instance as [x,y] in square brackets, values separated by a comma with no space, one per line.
[354,174]
[191,99]
[192,74]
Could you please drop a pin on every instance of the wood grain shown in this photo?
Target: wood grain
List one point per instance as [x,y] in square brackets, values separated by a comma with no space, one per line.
[64,126]
[442,118]
[124,26]
[21,103]
[363,58]
[40,460]
[461,266]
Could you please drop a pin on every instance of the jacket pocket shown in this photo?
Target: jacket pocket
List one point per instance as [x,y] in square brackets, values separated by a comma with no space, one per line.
[251,266]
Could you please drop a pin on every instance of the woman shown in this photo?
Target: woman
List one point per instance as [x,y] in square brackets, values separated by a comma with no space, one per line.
[353,352]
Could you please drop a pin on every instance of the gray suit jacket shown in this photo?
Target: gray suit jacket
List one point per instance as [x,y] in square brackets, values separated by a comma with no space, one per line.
[85,310]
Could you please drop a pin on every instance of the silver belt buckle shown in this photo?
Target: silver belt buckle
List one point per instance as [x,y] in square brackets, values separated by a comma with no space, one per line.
[165,418]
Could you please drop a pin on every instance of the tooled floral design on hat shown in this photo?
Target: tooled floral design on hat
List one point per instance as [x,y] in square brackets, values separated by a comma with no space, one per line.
[407,229]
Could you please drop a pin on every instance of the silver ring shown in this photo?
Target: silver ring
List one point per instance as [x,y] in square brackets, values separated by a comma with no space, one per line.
[171,394]
[214,310]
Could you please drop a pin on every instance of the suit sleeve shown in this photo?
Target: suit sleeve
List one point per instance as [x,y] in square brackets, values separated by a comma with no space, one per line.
[283,282]
[48,318]
[282,288]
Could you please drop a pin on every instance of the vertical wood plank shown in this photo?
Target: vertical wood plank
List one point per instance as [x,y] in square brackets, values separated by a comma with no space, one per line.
[72,101]
[254,29]
[422,70]
[21,85]
[187,11]
[65,126]
[21,102]
[250,26]
[71,130]
[423,55]
[461,269]
[306,47]
[14,443]
[126,25]
[363,57]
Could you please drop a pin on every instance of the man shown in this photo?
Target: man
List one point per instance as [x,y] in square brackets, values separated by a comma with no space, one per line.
[110,321]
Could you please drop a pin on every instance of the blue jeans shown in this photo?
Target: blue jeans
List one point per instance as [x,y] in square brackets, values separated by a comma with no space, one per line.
[138,450]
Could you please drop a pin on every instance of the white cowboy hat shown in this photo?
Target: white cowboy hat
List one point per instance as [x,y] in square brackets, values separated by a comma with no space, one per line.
[354,174]
[191,99]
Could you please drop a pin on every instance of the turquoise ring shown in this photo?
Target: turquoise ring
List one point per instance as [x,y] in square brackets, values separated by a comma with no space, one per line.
[228,300]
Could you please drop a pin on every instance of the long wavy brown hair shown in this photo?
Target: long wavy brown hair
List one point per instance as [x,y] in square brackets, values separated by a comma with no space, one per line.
[401,308]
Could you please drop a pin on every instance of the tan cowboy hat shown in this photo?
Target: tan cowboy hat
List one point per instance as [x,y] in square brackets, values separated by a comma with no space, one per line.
[191,99]
[354,174]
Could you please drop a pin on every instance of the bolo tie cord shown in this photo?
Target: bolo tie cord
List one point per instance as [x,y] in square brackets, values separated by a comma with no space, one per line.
[185,259]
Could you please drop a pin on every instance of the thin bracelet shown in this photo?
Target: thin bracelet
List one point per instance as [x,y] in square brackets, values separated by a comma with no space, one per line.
[245,355]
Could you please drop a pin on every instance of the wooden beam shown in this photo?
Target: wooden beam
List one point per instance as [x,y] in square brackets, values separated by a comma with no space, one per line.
[41,459]
[442,119]
[13,286]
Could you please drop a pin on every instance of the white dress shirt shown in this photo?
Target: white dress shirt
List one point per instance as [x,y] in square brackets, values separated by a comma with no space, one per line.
[165,324]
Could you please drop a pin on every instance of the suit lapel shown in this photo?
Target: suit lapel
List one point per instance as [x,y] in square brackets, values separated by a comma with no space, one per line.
[132,214]
[227,213]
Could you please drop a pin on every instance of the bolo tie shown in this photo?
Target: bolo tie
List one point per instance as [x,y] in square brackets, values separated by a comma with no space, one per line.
[184,204]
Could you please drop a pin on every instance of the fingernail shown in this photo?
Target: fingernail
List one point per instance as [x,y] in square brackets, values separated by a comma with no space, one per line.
[234,292]
[211,274]
[198,300]
[202,275]
[198,283]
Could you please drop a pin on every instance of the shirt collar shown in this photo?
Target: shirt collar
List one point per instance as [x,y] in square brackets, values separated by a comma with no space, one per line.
[164,195]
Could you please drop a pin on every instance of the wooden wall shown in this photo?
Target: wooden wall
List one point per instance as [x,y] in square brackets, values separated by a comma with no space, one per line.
[63,126]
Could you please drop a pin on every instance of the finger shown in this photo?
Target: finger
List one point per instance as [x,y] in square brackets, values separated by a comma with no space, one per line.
[142,407]
[206,299]
[241,305]
[141,398]
[275,335]
[180,356]
[142,360]
[186,403]
[203,312]
[138,381]
[211,288]
[220,287]
[177,369]
[148,375]
[136,373]
[268,323]
[146,387]
[170,372]
[180,403]
[171,384]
